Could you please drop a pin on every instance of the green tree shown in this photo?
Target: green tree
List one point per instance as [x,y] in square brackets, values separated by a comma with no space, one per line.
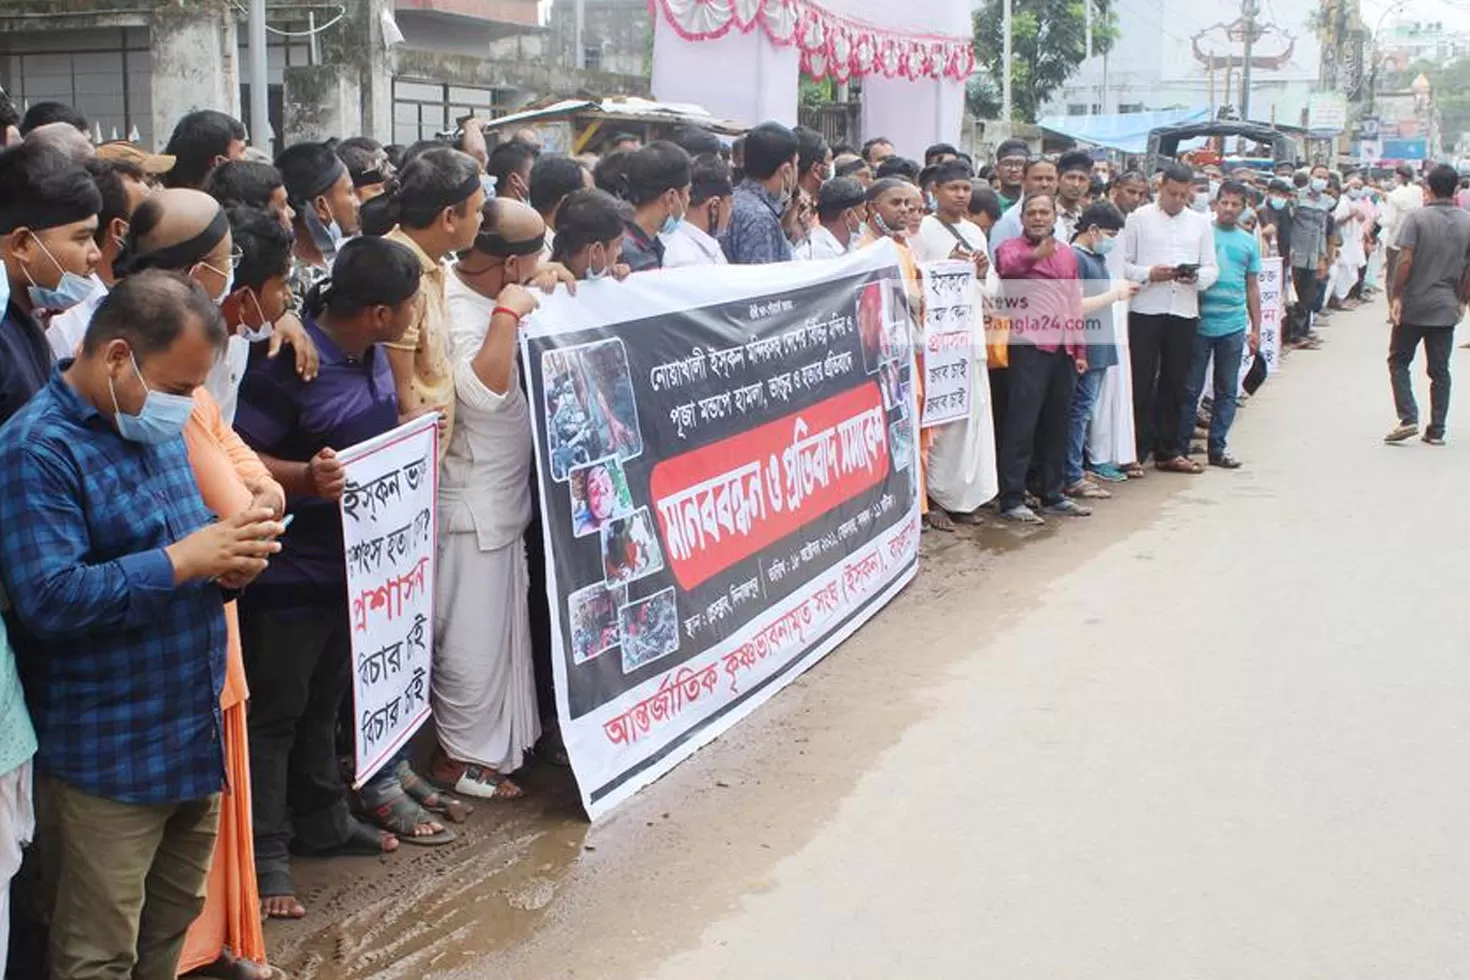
[1048,44]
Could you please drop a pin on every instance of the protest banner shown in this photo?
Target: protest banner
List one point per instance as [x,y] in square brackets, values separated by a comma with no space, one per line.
[1273,309]
[389,525]
[728,478]
[951,340]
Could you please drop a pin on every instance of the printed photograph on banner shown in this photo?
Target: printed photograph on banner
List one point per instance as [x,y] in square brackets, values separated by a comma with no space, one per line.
[901,443]
[593,612]
[872,321]
[896,316]
[630,549]
[905,395]
[888,382]
[599,493]
[591,408]
[650,629]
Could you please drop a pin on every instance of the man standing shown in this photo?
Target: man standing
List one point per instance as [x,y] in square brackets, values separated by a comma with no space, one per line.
[1128,191]
[319,189]
[1406,197]
[1310,256]
[1430,288]
[115,569]
[876,150]
[1229,320]
[841,209]
[813,161]
[1169,250]
[696,239]
[200,142]
[1074,178]
[755,236]
[1011,158]
[1039,176]
[510,164]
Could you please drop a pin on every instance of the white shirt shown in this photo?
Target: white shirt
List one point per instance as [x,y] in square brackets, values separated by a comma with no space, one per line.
[1396,207]
[688,244]
[935,243]
[1152,237]
[67,328]
[484,481]
[821,244]
[223,381]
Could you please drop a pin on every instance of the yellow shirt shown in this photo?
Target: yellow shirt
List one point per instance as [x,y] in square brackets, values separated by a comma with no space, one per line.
[427,338]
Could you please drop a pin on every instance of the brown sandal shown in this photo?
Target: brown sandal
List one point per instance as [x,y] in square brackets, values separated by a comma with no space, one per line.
[1133,471]
[1178,464]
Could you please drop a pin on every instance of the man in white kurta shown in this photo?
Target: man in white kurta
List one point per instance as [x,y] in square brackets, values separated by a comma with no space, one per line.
[1110,440]
[961,475]
[483,688]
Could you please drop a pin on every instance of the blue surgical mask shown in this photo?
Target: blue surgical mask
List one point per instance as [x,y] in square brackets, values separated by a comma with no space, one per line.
[162,418]
[595,274]
[1105,245]
[1279,203]
[70,291]
[326,238]
[671,224]
[1319,184]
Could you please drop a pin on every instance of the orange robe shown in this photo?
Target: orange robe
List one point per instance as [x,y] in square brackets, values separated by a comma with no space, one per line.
[231,917]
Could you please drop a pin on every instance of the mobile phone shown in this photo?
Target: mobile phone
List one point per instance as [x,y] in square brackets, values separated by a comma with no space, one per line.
[286,522]
[1186,269]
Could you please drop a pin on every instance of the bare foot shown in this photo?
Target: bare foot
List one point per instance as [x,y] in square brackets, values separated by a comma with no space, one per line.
[938,519]
[282,907]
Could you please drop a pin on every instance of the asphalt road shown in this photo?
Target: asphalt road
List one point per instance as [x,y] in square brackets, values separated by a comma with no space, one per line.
[1216,732]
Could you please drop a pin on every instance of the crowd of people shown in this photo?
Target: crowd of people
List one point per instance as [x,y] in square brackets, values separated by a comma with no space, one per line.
[190,338]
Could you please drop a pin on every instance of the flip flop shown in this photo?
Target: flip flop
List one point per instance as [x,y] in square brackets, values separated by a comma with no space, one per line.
[429,796]
[395,811]
[363,841]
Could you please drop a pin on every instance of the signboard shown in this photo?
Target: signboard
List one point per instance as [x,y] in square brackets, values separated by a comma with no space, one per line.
[950,340]
[1327,112]
[389,526]
[1405,149]
[755,428]
[1273,310]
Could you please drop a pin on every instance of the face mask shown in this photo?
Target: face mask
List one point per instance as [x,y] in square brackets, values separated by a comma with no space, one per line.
[229,282]
[592,274]
[487,184]
[326,238]
[70,291]
[1319,184]
[1201,201]
[1356,193]
[671,224]
[1247,216]
[829,171]
[162,418]
[1105,245]
[1279,203]
[254,335]
[883,226]
[788,191]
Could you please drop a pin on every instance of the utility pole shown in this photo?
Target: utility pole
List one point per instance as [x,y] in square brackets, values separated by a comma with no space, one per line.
[260,122]
[580,30]
[1249,9]
[1087,24]
[1005,60]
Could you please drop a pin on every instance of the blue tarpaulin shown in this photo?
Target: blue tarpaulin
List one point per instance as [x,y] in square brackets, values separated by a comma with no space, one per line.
[1127,131]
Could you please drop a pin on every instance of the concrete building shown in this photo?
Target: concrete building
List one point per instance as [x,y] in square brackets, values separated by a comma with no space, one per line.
[616,34]
[398,70]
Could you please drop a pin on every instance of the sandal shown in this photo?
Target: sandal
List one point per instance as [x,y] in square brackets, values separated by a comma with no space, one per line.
[1087,490]
[428,796]
[396,812]
[1225,461]
[1133,471]
[1066,507]
[1021,514]
[363,841]
[1178,464]
[485,783]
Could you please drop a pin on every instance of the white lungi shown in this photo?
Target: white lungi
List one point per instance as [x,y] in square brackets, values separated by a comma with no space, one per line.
[961,474]
[1110,439]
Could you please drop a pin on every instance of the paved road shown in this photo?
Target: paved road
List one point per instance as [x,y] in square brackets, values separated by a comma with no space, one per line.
[1217,732]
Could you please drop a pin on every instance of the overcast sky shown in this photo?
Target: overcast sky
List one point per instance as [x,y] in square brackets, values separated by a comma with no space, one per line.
[1451,13]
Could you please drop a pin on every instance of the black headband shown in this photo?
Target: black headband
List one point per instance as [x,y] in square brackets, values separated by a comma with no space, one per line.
[39,216]
[492,244]
[325,180]
[182,255]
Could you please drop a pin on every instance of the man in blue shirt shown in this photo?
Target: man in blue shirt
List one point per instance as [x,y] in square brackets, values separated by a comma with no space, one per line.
[48,223]
[1227,310]
[755,235]
[114,570]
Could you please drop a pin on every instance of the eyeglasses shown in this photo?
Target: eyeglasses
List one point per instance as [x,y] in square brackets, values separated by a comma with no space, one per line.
[237,255]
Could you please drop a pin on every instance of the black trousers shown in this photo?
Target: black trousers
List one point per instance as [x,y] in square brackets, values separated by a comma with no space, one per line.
[298,662]
[1162,349]
[1038,398]
[1439,344]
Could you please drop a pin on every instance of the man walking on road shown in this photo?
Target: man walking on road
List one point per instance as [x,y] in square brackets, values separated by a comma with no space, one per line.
[1430,288]
[1402,201]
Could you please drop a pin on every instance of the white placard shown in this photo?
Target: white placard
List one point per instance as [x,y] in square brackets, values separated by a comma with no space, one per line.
[389,529]
[950,340]
[1272,311]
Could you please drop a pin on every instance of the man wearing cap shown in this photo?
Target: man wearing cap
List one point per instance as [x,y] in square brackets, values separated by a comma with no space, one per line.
[696,239]
[1010,166]
[841,208]
[484,689]
[153,165]
[319,189]
[48,226]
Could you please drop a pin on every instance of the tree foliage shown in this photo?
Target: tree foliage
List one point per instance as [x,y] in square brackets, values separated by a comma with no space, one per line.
[1048,44]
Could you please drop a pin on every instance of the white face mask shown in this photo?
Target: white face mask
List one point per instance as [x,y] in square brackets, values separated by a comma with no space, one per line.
[254,335]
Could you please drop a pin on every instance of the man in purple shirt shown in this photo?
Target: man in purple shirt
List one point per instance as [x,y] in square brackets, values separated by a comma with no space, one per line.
[1042,296]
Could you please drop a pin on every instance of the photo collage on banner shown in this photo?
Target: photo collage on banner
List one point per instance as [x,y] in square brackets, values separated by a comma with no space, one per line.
[728,491]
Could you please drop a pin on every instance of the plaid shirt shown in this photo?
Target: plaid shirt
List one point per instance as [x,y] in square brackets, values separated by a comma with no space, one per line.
[755,235]
[122,669]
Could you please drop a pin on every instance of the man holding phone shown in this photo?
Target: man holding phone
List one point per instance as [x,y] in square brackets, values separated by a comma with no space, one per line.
[1168,249]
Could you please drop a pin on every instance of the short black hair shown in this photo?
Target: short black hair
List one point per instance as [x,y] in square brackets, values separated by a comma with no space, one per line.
[950,170]
[554,177]
[926,177]
[851,167]
[1442,180]
[303,166]
[109,176]
[1236,188]
[1074,160]
[1178,173]
[362,156]
[45,113]
[1102,214]
[586,216]
[510,157]
[939,150]
[768,147]
[883,185]
[611,171]
[197,139]
[811,148]
[867,153]
[1279,185]
[623,137]
[1128,177]
[366,272]
[837,195]
[695,140]
[709,178]
[41,184]
[900,167]
[431,182]
[243,183]
[1405,171]
[150,310]
[265,247]
[654,169]
[984,200]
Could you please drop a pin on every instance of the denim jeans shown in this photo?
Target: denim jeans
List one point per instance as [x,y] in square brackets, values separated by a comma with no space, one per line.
[1084,403]
[1439,344]
[1227,351]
